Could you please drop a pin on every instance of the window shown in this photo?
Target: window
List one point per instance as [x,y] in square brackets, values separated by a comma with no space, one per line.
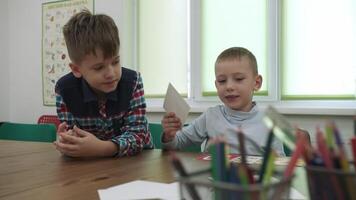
[303,48]
[318,49]
[162,45]
[245,27]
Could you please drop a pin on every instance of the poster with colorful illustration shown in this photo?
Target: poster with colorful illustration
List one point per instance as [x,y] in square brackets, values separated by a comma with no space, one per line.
[55,58]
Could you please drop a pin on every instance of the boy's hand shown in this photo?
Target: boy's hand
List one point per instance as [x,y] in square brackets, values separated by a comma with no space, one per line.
[171,124]
[83,144]
[62,128]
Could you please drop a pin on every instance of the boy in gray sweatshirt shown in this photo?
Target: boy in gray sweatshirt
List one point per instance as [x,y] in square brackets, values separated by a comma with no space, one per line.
[236,80]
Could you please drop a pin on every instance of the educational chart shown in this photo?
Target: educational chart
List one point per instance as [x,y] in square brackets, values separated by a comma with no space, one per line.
[55,58]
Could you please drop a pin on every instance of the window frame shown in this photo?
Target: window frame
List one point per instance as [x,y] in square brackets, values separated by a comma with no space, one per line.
[200,103]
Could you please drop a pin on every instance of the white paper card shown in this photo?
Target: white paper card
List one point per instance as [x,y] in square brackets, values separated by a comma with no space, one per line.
[141,189]
[173,102]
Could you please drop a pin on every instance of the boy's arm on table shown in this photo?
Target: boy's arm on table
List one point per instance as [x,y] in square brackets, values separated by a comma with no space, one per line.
[63,113]
[76,142]
[134,134]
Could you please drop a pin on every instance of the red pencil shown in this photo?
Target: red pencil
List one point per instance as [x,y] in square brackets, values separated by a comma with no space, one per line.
[299,149]
[323,149]
[353,145]
[325,154]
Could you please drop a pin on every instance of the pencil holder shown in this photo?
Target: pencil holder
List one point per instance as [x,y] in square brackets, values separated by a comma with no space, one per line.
[330,184]
[205,188]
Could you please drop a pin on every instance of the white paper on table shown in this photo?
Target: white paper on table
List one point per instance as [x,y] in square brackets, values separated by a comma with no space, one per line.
[153,190]
[173,102]
[257,160]
[296,195]
[293,193]
[141,190]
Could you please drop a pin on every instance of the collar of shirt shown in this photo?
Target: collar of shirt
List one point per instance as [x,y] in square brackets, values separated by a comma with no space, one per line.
[238,116]
[89,94]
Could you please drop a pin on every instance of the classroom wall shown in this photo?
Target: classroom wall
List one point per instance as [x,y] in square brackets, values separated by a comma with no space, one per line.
[20,64]
[4,61]
[24,53]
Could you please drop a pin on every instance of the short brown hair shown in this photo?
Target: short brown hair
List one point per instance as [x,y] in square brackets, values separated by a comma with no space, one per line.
[238,53]
[85,32]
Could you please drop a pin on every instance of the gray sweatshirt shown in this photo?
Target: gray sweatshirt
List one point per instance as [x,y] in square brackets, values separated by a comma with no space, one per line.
[223,120]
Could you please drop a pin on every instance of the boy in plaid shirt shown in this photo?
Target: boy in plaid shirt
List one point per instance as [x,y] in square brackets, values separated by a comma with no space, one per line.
[101,105]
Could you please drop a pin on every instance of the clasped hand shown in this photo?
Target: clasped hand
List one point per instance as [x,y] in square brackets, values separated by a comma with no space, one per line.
[76,142]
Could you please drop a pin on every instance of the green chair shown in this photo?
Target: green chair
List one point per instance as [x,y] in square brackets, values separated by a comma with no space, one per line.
[28,132]
[156,132]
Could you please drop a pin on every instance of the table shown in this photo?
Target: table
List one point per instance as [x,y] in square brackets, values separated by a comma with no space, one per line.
[36,170]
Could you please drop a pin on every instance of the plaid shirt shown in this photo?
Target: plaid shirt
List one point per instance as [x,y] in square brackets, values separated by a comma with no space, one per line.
[120,119]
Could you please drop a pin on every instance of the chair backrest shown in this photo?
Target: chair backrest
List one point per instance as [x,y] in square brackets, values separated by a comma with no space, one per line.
[156,132]
[28,132]
[49,119]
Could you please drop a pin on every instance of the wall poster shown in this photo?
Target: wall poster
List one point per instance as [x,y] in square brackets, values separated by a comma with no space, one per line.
[55,58]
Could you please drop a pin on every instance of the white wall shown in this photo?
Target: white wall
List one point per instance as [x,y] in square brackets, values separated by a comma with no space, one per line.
[4,61]
[24,53]
[20,65]
[25,61]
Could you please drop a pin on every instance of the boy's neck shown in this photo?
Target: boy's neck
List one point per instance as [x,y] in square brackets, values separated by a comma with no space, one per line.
[101,98]
[253,104]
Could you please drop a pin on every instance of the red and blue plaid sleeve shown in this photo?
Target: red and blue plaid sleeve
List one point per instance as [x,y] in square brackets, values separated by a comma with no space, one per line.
[62,111]
[135,134]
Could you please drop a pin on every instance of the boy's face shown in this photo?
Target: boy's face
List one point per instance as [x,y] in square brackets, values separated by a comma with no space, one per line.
[101,74]
[236,82]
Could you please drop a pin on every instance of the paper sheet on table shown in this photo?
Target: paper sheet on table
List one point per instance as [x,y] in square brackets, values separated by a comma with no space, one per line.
[254,160]
[296,195]
[141,190]
[293,193]
[173,102]
[153,190]
[279,161]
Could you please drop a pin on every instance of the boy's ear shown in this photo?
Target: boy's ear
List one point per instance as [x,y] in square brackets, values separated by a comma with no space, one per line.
[75,70]
[258,82]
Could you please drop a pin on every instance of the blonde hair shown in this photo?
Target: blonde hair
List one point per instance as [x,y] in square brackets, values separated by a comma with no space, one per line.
[85,33]
[238,53]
